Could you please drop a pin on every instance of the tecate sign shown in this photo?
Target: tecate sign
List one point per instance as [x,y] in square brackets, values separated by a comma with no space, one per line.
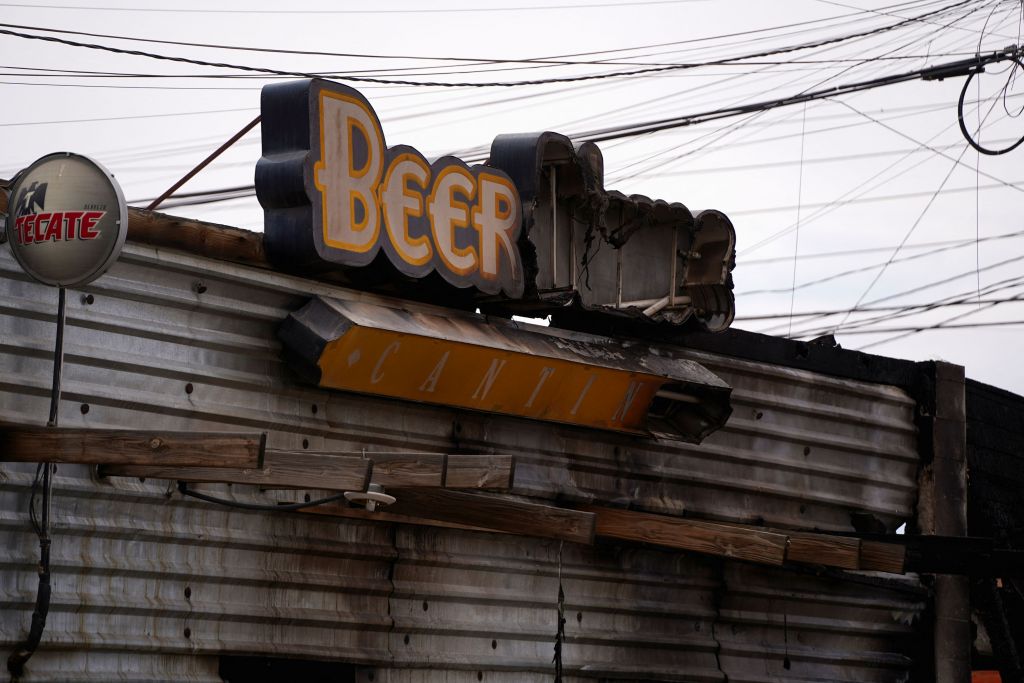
[67,220]
[334,193]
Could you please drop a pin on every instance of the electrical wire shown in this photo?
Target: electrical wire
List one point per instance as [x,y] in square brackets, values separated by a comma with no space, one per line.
[914,225]
[936,326]
[874,309]
[871,250]
[1002,285]
[284,507]
[429,10]
[963,125]
[772,29]
[863,269]
[566,79]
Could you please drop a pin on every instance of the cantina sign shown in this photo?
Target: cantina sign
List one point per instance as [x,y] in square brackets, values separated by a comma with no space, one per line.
[334,193]
[461,360]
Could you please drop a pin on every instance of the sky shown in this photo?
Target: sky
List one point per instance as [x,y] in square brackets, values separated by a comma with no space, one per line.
[866,215]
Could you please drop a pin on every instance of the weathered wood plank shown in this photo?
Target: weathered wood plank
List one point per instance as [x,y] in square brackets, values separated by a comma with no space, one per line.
[437,470]
[131,447]
[831,551]
[492,512]
[725,540]
[396,470]
[480,472]
[197,237]
[382,515]
[281,470]
[883,557]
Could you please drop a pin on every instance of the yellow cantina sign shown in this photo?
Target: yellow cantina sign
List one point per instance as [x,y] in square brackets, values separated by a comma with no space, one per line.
[430,370]
[334,193]
[462,360]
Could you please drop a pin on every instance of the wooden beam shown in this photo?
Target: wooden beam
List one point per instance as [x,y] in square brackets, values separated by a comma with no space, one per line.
[323,470]
[131,447]
[395,470]
[823,549]
[437,470]
[883,557]
[480,472]
[197,237]
[833,551]
[281,470]
[499,514]
[740,543]
[382,515]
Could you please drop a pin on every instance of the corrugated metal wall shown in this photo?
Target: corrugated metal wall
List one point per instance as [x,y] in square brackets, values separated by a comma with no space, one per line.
[801,451]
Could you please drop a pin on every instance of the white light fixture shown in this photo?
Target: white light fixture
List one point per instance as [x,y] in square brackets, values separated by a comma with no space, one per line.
[373,495]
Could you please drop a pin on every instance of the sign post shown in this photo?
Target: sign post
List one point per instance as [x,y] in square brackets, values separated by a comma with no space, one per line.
[67,222]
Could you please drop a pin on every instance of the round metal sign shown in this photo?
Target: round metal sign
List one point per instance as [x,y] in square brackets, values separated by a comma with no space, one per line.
[67,220]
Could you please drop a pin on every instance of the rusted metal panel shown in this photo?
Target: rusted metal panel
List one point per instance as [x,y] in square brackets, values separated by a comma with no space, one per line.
[104,666]
[801,451]
[467,604]
[135,571]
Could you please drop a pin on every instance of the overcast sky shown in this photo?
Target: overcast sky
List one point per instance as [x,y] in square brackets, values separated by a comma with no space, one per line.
[838,183]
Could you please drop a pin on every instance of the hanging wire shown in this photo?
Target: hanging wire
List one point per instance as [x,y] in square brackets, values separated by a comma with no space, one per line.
[799,206]
[284,507]
[560,633]
[960,110]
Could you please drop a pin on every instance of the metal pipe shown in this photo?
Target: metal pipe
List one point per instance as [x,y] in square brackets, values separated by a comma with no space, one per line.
[202,164]
[618,277]
[657,305]
[58,356]
[672,286]
[572,252]
[553,182]
[24,650]
[642,303]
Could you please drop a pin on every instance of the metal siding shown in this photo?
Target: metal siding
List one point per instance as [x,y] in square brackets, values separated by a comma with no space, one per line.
[295,585]
[469,603]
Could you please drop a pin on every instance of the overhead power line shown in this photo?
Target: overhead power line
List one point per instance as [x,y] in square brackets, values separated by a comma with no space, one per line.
[422,10]
[846,253]
[503,84]
[938,72]
[937,326]
[879,309]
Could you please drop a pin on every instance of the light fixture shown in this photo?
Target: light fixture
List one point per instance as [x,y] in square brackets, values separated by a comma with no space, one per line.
[372,497]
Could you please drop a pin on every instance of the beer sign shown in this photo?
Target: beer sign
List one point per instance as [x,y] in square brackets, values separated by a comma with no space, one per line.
[67,220]
[334,193]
